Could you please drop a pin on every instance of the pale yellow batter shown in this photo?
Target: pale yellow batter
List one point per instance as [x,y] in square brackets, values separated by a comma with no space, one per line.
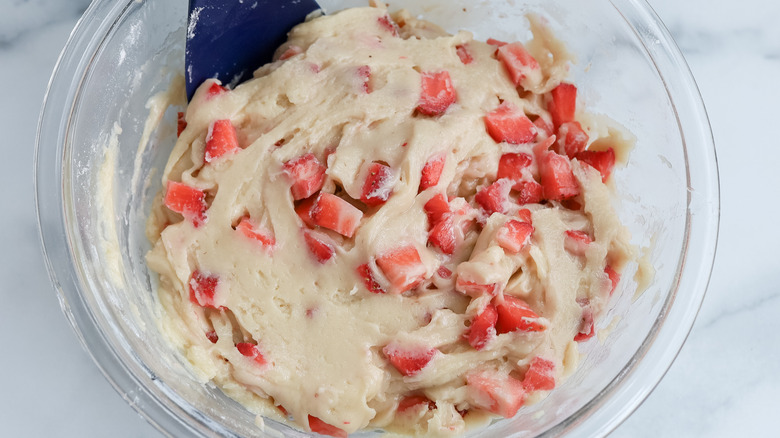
[285,328]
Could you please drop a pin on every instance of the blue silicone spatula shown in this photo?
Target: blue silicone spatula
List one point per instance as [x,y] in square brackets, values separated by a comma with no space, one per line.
[229,39]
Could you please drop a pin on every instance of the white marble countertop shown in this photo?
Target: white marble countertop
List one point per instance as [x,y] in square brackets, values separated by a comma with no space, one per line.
[723,384]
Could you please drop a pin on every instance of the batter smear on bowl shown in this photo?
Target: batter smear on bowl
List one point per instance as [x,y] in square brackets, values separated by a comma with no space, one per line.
[389,227]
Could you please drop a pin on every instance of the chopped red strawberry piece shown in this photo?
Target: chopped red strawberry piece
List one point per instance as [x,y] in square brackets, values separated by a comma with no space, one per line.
[250,230]
[303,210]
[474,289]
[221,140]
[573,138]
[463,53]
[431,172]
[576,242]
[495,42]
[436,208]
[318,426]
[495,197]
[515,314]
[511,165]
[483,328]
[614,277]
[540,375]
[543,126]
[214,90]
[202,289]
[307,175]
[557,178]
[320,245]
[211,335]
[528,192]
[187,201]
[412,401]
[514,235]
[336,214]
[181,123]
[587,326]
[379,184]
[403,268]
[408,361]
[571,204]
[494,392]
[252,352]
[364,79]
[518,62]
[563,104]
[436,93]
[386,23]
[364,271]
[442,235]
[291,51]
[508,124]
[524,215]
[444,272]
[603,161]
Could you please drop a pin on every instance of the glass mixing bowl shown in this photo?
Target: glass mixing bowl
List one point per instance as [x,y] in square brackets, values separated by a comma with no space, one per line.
[94,187]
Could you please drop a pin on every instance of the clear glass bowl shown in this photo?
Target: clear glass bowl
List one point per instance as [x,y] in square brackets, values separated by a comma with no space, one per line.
[94,187]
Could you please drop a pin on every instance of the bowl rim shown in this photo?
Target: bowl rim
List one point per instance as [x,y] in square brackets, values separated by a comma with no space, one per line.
[610,407]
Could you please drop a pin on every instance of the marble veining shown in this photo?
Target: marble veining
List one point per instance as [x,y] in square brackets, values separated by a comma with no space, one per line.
[724,382]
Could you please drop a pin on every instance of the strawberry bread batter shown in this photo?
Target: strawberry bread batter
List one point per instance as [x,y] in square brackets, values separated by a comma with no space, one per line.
[388,227]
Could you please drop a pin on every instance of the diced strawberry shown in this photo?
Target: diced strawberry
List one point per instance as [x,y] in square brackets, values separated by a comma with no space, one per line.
[250,230]
[543,126]
[436,208]
[494,392]
[336,214]
[495,42]
[514,235]
[187,201]
[403,268]
[364,78]
[291,51]
[540,375]
[202,289]
[320,245]
[511,165]
[573,138]
[444,272]
[181,123]
[307,175]
[252,352]
[431,171]
[483,328]
[221,140]
[603,161]
[563,104]
[318,426]
[215,90]
[587,326]
[528,192]
[557,178]
[518,62]
[614,277]
[436,93]
[463,53]
[524,215]
[386,23]
[571,204]
[495,197]
[412,401]
[364,271]
[408,361]
[576,242]
[474,289]
[508,124]
[379,184]
[442,235]
[303,210]
[515,314]
[211,335]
